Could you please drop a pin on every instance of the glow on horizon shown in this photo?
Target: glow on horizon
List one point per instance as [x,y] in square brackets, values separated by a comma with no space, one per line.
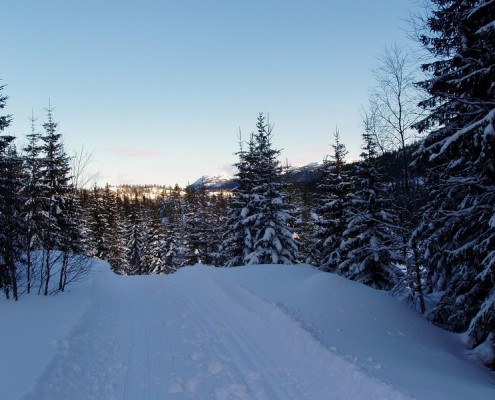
[158,90]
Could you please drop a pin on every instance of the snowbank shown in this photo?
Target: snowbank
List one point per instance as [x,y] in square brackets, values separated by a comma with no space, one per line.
[255,332]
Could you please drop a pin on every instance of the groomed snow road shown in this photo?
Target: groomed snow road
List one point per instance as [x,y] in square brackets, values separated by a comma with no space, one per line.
[195,335]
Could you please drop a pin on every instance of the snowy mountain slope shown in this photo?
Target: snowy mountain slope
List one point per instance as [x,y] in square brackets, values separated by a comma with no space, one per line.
[306,173]
[257,332]
[215,182]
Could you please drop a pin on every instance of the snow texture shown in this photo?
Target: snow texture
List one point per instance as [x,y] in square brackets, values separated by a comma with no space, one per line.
[254,332]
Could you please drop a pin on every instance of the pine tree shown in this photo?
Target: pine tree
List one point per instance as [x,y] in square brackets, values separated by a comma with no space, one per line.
[269,218]
[134,238]
[238,238]
[172,214]
[302,201]
[95,209]
[370,246]
[458,229]
[33,210]
[333,206]
[152,259]
[12,226]
[203,235]
[217,215]
[4,119]
[55,184]
[194,227]
[107,229]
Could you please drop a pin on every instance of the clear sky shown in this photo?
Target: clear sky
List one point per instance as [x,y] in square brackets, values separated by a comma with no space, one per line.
[158,89]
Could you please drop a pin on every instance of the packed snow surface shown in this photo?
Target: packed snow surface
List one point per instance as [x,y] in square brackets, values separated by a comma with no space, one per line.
[255,332]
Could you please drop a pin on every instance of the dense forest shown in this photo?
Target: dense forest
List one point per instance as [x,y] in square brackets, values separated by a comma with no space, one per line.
[416,218]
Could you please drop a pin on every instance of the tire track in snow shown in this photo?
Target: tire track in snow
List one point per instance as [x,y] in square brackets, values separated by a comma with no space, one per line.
[195,335]
[86,365]
[234,351]
[290,362]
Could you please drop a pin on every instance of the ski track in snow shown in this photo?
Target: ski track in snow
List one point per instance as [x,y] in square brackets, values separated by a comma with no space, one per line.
[195,336]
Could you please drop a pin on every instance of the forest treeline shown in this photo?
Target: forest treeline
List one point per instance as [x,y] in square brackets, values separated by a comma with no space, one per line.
[414,218]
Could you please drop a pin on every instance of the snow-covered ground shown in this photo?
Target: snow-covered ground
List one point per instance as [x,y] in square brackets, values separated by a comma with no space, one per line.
[256,332]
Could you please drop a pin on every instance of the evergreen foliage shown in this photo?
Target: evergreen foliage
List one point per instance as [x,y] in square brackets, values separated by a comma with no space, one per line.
[457,234]
[238,239]
[259,217]
[33,209]
[55,189]
[4,119]
[333,207]
[203,229]
[134,227]
[41,218]
[172,215]
[370,246]
[152,257]
[12,223]
[301,201]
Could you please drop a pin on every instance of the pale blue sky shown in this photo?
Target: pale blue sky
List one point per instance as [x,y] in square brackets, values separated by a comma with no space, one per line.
[157,90]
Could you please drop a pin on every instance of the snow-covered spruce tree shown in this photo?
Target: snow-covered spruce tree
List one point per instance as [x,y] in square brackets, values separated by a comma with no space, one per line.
[94,203]
[33,209]
[202,233]
[217,215]
[458,228]
[134,238]
[302,202]
[152,233]
[332,207]
[114,233]
[172,214]
[268,218]
[75,261]
[12,225]
[107,230]
[370,247]
[238,239]
[55,193]
[195,226]
[4,119]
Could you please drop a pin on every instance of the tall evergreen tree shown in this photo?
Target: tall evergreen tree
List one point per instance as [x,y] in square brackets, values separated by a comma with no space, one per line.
[55,183]
[4,119]
[172,214]
[94,202]
[134,238]
[333,206]
[264,217]
[370,247]
[195,225]
[301,201]
[217,215]
[152,259]
[33,210]
[458,228]
[106,226]
[114,233]
[12,225]
[238,238]
[203,234]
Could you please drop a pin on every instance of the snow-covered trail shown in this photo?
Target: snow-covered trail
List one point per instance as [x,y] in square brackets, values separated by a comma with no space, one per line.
[198,335]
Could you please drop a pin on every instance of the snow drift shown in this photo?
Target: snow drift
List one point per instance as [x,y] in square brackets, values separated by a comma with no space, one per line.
[255,332]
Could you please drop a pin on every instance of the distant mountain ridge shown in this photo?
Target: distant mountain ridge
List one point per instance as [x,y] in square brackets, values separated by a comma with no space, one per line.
[306,174]
[215,182]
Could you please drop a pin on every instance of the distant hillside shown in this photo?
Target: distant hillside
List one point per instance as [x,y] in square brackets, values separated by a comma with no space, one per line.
[306,174]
